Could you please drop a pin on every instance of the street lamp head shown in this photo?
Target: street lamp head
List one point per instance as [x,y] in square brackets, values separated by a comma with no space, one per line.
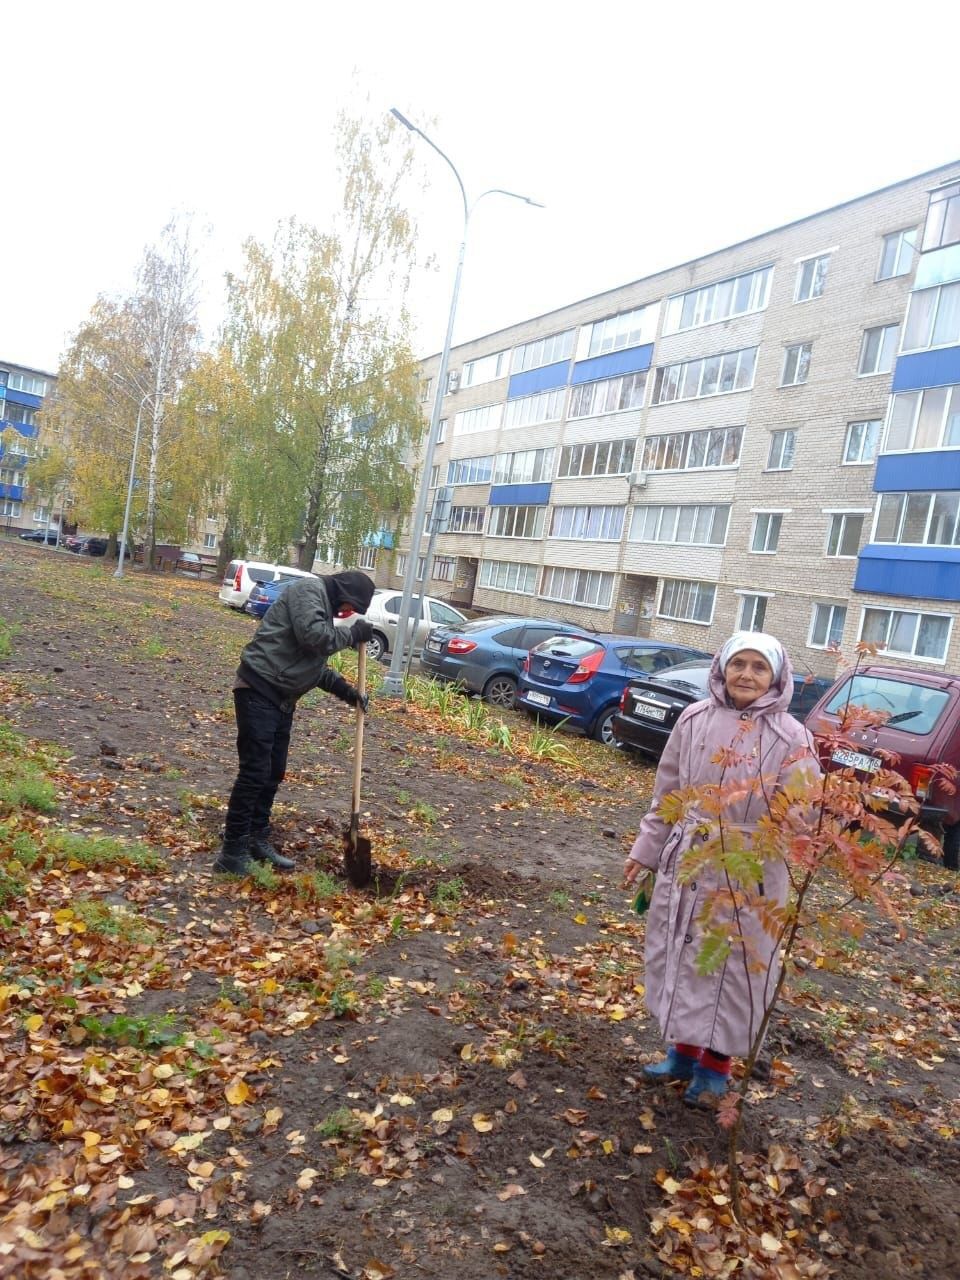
[403,120]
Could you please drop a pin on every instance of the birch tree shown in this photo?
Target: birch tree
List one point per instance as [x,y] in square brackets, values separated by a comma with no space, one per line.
[318,334]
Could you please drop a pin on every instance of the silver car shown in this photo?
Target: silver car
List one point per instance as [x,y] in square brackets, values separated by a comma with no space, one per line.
[384,613]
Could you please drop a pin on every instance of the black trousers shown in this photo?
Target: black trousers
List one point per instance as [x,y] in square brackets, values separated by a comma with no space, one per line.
[263,739]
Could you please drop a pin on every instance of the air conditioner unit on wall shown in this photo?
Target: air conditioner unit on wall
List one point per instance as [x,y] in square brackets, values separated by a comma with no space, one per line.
[453,381]
[637,479]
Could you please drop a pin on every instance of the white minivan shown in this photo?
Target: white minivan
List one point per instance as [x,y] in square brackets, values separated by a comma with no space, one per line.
[241,576]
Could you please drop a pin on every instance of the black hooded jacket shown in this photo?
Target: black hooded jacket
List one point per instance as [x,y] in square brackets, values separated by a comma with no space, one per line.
[288,654]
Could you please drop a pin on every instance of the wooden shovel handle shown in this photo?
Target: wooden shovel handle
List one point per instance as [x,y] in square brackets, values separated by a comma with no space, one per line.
[358,748]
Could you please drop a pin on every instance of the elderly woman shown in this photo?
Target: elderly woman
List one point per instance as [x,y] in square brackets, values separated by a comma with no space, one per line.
[707,1018]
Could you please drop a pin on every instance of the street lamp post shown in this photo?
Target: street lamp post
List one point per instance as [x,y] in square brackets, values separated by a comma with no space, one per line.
[393,684]
[118,573]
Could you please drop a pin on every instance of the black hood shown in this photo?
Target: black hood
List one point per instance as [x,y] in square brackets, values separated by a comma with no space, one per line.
[349,590]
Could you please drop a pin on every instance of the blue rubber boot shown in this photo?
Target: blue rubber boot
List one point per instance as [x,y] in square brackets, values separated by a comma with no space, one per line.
[706,1086]
[675,1066]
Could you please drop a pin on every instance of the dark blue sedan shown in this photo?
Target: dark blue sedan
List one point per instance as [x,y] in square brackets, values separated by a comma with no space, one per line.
[580,679]
[263,595]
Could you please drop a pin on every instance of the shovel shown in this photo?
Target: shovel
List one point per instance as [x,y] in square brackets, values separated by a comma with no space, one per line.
[356,848]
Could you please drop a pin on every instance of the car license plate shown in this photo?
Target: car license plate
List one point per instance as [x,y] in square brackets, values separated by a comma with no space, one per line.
[649,712]
[855,760]
[539,699]
[434,645]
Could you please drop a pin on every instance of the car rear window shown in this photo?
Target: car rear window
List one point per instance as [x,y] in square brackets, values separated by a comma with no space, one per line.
[510,638]
[569,646]
[231,571]
[913,708]
[261,572]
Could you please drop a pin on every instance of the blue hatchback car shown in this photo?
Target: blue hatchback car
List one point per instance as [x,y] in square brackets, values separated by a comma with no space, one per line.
[263,595]
[580,679]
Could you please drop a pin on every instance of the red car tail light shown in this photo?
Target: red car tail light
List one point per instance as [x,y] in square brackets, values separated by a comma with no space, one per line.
[588,667]
[526,664]
[920,776]
[459,645]
[623,700]
[238,580]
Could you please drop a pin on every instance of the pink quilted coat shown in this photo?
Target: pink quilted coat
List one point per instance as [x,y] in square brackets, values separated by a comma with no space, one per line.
[723,1010]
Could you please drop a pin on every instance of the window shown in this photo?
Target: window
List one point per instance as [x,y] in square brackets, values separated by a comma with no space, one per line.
[18,413]
[942,226]
[441,430]
[811,278]
[466,520]
[843,539]
[393,606]
[469,470]
[826,626]
[10,507]
[618,332]
[444,568]
[753,610]
[9,476]
[919,519]
[923,420]
[606,458]
[796,364]
[485,369]
[516,522]
[861,443]
[440,613]
[933,318]
[210,542]
[529,466]
[27,382]
[711,376]
[544,351]
[484,418]
[692,450]
[896,254]
[607,396]
[504,575]
[578,586]
[737,296]
[878,350]
[783,445]
[912,635]
[685,601]
[605,524]
[426,386]
[40,513]
[368,558]
[766,532]
[547,406]
[435,475]
[704,526]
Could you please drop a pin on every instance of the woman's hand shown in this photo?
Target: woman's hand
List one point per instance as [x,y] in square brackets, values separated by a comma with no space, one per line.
[632,870]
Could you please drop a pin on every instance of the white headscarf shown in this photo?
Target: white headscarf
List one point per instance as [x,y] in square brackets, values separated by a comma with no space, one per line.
[768,646]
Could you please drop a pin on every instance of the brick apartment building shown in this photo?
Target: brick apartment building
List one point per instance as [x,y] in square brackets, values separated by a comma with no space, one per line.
[22,393]
[765,437]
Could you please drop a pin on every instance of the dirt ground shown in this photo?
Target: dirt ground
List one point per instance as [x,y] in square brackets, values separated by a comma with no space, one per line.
[440,1076]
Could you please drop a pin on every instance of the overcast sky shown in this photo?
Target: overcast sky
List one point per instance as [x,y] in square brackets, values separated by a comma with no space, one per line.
[659,134]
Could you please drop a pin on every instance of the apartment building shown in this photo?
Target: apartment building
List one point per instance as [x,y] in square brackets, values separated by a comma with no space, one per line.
[22,392]
[765,437]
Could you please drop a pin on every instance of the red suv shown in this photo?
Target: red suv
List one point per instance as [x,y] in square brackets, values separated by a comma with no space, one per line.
[922,728]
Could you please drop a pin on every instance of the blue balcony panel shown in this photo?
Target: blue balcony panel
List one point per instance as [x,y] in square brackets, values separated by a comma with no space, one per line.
[923,472]
[21,397]
[520,495]
[14,491]
[939,266]
[382,538]
[632,360]
[915,573]
[940,368]
[22,428]
[546,378]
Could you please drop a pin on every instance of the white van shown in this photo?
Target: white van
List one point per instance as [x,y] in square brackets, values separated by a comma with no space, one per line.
[241,576]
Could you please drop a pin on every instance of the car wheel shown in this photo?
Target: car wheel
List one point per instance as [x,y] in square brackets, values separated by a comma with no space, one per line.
[501,691]
[603,727]
[951,846]
[376,646]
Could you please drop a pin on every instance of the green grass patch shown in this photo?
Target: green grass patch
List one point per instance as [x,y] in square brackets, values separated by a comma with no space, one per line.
[112,922]
[7,632]
[151,1032]
[449,893]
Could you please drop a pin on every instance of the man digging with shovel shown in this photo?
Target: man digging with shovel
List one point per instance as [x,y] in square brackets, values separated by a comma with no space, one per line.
[285,659]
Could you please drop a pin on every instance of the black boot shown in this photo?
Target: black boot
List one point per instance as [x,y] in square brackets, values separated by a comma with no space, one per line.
[234,858]
[263,851]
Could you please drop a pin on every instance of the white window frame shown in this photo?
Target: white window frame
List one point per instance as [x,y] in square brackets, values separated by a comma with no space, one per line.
[485,369]
[11,507]
[466,523]
[530,411]
[523,514]
[952,339]
[945,195]
[684,449]
[619,457]
[899,268]
[591,588]
[676,375]
[786,438]
[772,528]
[698,588]
[750,600]
[912,656]
[812,261]
[30,384]
[40,514]
[857,513]
[435,476]
[507,570]
[456,463]
[209,542]
[886,352]
[705,301]
[543,351]
[951,410]
[799,348]
[576,516]
[906,498]
[670,518]
[484,417]
[833,608]
[617,333]
[601,389]
[514,468]
[367,559]
[444,569]
[860,460]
